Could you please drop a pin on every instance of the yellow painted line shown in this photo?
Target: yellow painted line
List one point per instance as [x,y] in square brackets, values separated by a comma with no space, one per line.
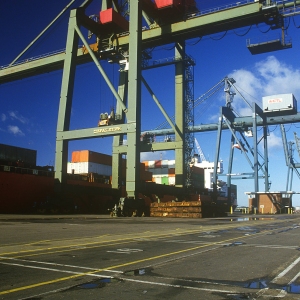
[122,239]
[69,250]
[153,235]
[125,264]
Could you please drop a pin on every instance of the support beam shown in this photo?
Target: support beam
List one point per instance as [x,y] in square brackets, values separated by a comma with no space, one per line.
[179,115]
[255,166]
[134,99]
[217,153]
[202,25]
[66,95]
[118,140]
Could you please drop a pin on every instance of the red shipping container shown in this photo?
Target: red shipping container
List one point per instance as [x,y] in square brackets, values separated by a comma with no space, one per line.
[113,18]
[170,3]
[157,164]
[166,3]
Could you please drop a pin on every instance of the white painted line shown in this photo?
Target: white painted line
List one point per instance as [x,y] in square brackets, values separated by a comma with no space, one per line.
[294,278]
[116,251]
[51,269]
[291,266]
[282,294]
[188,242]
[194,281]
[125,251]
[197,243]
[174,241]
[278,247]
[55,264]
[179,286]
[181,257]
[47,293]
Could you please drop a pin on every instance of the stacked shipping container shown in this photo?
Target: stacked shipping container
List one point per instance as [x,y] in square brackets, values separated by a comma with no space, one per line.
[17,156]
[163,172]
[87,162]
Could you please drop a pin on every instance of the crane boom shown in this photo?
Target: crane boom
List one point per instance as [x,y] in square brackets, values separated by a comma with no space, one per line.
[297,140]
[200,152]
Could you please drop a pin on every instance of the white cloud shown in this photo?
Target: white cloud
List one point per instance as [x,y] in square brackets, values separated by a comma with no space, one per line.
[274,141]
[268,77]
[214,118]
[247,82]
[3,117]
[278,78]
[16,116]
[15,130]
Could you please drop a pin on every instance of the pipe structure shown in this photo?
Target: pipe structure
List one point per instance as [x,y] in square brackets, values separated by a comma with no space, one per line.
[238,122]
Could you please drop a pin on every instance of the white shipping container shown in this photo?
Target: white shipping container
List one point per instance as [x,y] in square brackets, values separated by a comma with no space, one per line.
[164,163]
[151,164]
[171,163]
[280,102]
[172,180]
[157,180]
[89,167]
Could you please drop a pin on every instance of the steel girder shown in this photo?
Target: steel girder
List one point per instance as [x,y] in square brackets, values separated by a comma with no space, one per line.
[197,26]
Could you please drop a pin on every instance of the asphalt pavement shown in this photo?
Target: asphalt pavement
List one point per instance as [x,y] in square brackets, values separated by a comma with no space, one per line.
[99,257]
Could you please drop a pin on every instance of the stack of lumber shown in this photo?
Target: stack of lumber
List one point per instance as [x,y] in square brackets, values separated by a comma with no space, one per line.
[185,209]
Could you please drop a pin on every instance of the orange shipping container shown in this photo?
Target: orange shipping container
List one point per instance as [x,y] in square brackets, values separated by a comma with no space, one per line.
[91,156]
[171,172]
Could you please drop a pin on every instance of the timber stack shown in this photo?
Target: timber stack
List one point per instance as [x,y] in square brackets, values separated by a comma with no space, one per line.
[184,209]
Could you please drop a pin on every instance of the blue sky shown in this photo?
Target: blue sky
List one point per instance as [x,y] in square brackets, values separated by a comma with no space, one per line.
[29,107]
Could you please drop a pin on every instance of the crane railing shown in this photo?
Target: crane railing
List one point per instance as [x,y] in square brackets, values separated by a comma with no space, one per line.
[33,58]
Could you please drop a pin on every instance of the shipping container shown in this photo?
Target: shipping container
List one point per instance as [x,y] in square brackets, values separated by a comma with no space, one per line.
[171,171]
[151,164]
[165,180]
[146,176]
[17,156]
[280,104]
[157,164]
[157,180]
[114,20]
[156,171]
[172,180]
[89,167]
[164,163]
[171,163]
[91,156]
[179,4]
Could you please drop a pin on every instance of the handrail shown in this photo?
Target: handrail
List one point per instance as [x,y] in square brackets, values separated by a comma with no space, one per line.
[33,58]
